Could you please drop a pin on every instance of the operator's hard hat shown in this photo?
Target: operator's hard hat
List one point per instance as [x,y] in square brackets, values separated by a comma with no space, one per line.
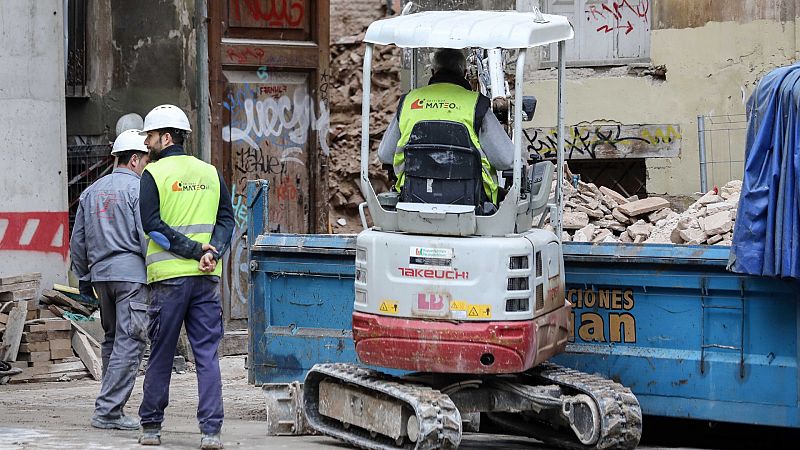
[129,140]
[166,116]
[128,122]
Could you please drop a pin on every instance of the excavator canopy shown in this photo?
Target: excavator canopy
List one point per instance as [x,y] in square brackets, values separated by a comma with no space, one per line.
[463,29]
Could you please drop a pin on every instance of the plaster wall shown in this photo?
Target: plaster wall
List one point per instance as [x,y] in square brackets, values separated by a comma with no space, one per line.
[33,197]
[713,66]
[140,54]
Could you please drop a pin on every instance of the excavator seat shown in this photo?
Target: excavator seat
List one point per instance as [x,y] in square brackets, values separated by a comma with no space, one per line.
[442,166]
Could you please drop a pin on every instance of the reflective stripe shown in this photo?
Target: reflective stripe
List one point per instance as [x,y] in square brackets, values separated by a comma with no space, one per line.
[160,256]
[188,229]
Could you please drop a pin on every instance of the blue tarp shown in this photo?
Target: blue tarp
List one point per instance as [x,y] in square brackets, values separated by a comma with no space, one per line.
[767,231]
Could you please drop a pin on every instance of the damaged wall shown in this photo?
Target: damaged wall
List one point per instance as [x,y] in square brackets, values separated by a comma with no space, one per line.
[714,54]
[140,54]
[33,207]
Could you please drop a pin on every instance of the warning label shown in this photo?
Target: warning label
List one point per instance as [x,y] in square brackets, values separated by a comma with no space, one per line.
[479,311]
[388,307]
[458,305]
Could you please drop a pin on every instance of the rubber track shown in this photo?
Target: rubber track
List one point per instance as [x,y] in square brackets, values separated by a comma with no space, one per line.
[439,419]
[620,413]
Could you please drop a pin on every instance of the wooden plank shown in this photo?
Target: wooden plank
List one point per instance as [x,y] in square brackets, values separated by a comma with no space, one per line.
[58,325]
[67,360]
[92,340]
[74,375]
[3,318]
[46,314]
[19,286]
[34,337]
[13,333]
[60,344]
[55,297]
[36,328]
[59,353]
[83,348]
[34,347]
[34,356]
[607,141]
[15,296]
[20,278]
[52,335]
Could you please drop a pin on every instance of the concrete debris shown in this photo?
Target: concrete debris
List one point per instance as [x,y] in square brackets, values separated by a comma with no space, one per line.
[709,220]
[574,220]
[644,206]
[614,195]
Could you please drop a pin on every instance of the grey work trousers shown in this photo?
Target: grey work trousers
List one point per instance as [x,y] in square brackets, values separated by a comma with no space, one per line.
[123,313]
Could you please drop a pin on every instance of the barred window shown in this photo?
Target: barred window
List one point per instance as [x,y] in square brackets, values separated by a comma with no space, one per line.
[75,48]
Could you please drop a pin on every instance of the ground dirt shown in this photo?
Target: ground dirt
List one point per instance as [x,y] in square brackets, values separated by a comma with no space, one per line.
[45,416]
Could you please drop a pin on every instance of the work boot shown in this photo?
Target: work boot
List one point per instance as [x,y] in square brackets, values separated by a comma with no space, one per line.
[120,423]
[210,441]
[151,435]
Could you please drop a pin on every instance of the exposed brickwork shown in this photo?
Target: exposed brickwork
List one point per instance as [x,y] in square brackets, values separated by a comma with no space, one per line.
[350,17]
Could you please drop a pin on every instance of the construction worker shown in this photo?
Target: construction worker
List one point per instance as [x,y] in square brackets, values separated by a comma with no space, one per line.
[448,87]
[107,249]
[188,217]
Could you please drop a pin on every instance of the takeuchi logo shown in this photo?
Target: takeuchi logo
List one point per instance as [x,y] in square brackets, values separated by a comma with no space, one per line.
[422,103]
[181,186]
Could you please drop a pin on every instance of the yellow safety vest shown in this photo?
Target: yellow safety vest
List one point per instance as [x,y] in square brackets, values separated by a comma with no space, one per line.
[441,102]
[188,192]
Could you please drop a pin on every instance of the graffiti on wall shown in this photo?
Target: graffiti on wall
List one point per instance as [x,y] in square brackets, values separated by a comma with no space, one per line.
[268,13]
[36,232]
[269,111]
[623,15]
[607,141]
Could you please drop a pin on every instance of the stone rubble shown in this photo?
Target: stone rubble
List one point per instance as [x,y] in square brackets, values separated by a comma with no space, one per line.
[593,214]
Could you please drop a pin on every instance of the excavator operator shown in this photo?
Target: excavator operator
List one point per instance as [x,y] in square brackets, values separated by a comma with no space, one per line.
[448,97]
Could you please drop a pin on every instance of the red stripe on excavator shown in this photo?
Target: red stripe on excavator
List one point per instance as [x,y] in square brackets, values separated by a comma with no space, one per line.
[448,347]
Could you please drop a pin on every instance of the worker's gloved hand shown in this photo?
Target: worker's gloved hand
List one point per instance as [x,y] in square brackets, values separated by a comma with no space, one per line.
[85,288]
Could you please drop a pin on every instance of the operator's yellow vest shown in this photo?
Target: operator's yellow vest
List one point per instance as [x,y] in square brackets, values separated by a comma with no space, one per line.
[188,192]
[441,102]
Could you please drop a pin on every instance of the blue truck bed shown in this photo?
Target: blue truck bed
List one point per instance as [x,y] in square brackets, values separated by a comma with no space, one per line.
[689,338]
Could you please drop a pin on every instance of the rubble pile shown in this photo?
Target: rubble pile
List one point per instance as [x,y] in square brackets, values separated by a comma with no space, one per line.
[593,214]
[344,91]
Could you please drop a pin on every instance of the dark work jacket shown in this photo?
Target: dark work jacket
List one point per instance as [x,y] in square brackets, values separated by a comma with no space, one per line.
[168,238]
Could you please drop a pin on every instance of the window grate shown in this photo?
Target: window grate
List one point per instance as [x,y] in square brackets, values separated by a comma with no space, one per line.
[517,305]
[518,262]
[539,296]
[518,284]
[538,264]
[76,49]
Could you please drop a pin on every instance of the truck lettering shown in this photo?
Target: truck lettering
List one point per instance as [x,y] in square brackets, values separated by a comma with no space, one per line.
[589,322]
[433,273]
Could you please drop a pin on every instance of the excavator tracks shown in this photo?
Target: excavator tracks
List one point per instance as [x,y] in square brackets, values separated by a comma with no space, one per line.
[620,413]
[438,419]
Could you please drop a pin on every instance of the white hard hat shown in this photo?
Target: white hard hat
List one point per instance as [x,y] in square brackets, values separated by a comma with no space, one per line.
[129,140]
[128,122]
[166,116]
